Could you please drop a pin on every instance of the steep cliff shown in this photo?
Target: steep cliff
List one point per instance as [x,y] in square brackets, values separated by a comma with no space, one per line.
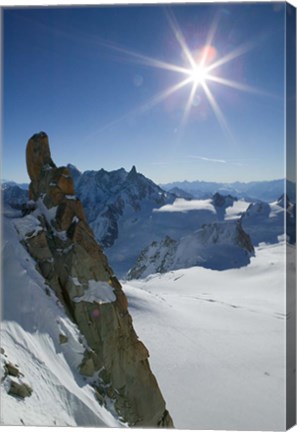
[67,255]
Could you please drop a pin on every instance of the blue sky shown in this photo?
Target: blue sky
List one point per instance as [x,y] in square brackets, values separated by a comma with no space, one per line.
[67,71]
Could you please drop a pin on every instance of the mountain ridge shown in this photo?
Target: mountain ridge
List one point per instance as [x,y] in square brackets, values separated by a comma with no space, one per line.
[107,195]
[266,190]
[217,246]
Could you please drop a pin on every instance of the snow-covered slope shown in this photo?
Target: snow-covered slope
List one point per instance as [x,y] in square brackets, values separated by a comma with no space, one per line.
[224,333]
[217,246]
[38,337]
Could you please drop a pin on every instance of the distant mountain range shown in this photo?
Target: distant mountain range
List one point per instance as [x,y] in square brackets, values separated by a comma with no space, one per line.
[257,190]
[227,243]
[14,194]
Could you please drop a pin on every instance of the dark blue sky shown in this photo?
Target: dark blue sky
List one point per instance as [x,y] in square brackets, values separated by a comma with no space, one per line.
[61,75]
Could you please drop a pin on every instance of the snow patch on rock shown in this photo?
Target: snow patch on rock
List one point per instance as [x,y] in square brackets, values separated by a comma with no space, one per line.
[97,291]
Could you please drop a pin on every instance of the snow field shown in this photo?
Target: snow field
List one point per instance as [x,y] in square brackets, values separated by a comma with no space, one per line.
[217,342]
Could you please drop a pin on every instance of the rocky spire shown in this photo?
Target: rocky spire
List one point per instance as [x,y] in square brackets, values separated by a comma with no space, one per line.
[132,175]
[76,269]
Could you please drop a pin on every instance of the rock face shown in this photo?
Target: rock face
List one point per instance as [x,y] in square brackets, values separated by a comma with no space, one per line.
[74,266]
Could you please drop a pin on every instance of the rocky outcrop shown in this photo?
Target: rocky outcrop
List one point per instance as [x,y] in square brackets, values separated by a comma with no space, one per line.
[220,200]
[12,378]
[221,203]
[20,390]
[74,266]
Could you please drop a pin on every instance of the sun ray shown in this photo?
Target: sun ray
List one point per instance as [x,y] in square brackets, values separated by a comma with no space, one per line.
[209,39]
[164,95]
[180,37]
[155,100]
[146,60]
[237,85]
[189,104]
[217,110]
[231,55]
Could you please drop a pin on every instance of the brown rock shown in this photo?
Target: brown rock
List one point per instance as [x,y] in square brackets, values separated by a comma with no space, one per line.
[12,369]
[65,182]
[20,390]
[76,261]
[63,338]
[38,155]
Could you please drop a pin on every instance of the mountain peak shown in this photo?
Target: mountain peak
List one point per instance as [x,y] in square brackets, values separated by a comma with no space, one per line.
[221,200]
[72,167]
[133,174]
[284,201]
[38,158]
[109,196]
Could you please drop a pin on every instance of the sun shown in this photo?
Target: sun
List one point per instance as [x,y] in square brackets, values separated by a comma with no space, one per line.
[198,75]
[198,70]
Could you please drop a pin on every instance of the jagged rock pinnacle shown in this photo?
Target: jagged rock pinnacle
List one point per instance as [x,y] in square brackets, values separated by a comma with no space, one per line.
[132,174]
[72,263]
[38,155]
[133,170]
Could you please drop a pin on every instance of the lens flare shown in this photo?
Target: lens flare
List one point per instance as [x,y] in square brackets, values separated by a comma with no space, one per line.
[197,72]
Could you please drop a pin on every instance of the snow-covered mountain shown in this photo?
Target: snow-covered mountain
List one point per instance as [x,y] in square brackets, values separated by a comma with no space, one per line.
[8,183]
[262,222]
[128,211]
[180,193]
[109,196]
[217,246]
[14,195]
[265,222]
